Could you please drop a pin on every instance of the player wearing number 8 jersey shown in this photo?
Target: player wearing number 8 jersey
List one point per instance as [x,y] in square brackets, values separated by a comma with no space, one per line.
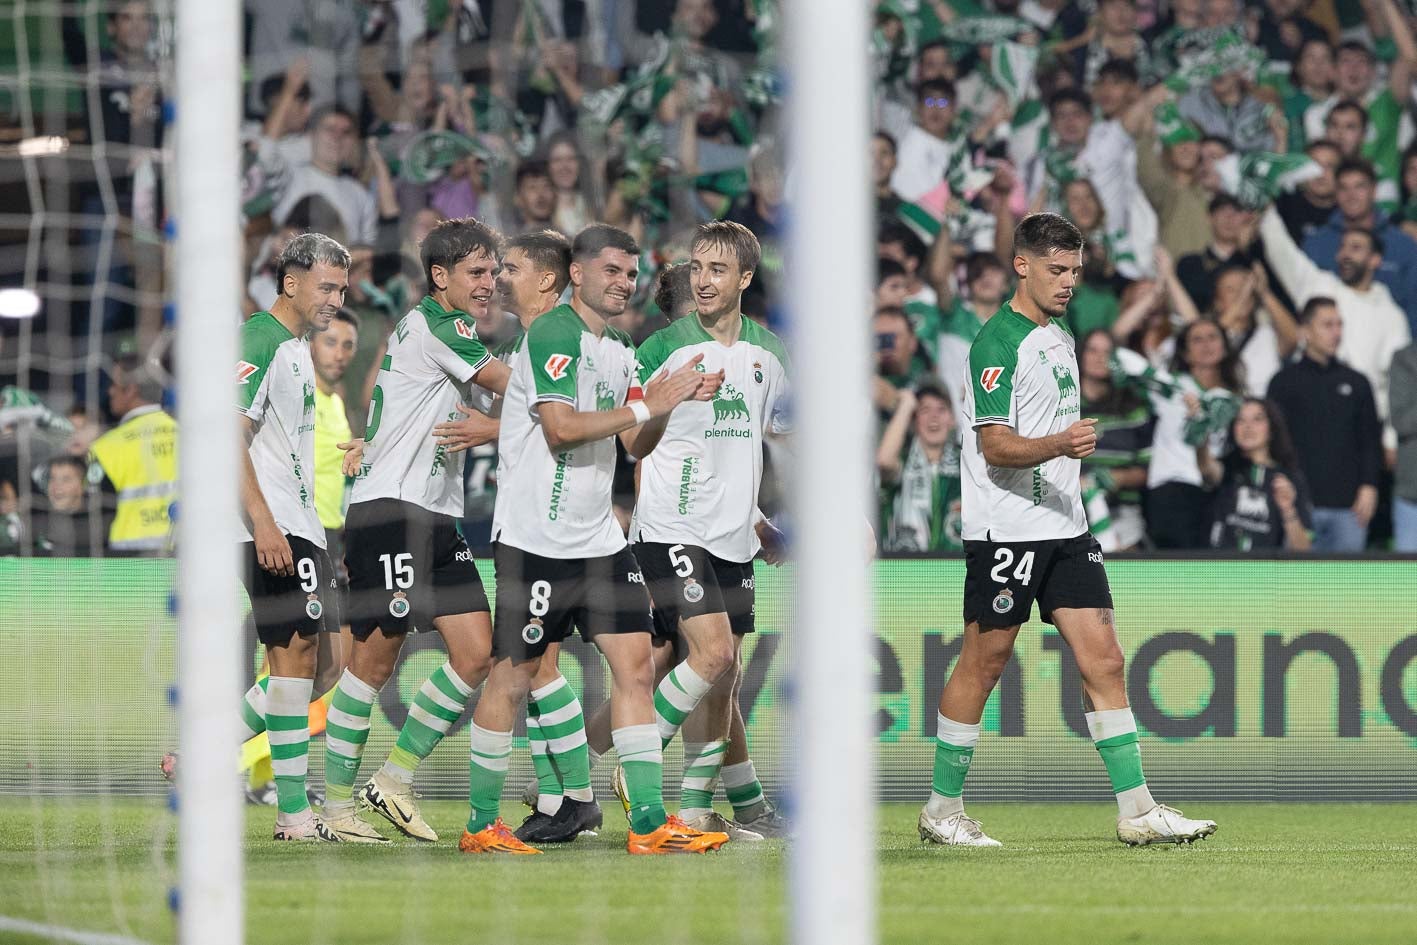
[1026,540]
[287,573]
[408,566]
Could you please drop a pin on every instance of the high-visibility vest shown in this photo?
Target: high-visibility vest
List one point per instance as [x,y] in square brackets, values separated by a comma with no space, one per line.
[139,456]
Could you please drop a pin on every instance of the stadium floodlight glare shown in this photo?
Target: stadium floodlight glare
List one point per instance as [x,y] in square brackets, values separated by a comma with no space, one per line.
[211,818]
[833,886]
[18,303]
[43,146]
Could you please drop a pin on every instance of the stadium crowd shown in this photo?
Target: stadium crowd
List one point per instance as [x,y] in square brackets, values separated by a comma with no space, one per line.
[1245,174]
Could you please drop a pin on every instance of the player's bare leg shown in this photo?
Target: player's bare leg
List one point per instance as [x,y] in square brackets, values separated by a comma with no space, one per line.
[983,655]
[1092,635]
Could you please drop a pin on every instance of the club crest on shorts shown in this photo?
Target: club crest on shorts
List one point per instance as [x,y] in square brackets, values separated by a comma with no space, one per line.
[1004,601]
[693,591]
[398,607]
[313,607]
[532,632]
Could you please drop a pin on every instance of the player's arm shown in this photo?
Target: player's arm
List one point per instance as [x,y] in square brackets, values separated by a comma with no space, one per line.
[272,548]
[565,427]
[494,376]
[640,441]
[1003,447]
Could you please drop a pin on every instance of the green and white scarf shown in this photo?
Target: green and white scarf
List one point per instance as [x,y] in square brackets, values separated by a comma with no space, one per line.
[924,512]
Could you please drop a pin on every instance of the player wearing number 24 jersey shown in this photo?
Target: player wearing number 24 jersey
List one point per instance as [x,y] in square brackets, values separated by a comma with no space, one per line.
[1026,540]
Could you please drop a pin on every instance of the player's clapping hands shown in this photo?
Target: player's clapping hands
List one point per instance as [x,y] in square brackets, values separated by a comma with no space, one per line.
[669,390]
[353,456]
[473,430]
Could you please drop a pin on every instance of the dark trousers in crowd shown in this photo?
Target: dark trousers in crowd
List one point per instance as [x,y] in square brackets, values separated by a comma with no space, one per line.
[1178,516]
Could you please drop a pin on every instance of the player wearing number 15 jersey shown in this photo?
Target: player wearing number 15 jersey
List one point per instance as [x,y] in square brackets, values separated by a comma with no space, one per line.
[1026,540]
[408,566]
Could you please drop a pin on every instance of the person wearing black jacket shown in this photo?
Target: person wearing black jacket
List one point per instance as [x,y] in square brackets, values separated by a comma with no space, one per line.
[1334,420]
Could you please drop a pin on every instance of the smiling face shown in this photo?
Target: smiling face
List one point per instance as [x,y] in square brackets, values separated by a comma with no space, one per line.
[316,295]
[468,284]
[1204,345]
[519,282]
[1355,72]
[1083,207]
[1314,68]
[1355,193]
[65,488]
[1356,259]
[717,279]
[605,282]
[934,420]
[1048,281]
[564,164]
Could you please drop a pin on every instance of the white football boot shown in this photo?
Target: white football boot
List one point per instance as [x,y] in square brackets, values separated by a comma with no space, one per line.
[767,822]
[956,830]
[1162,824]
[304,827]
[397,803]
[714,822]
[344,820]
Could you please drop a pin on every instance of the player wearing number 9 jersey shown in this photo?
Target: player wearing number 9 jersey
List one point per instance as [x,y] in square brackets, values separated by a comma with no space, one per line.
[287,573]
[408,566]
[1026,539]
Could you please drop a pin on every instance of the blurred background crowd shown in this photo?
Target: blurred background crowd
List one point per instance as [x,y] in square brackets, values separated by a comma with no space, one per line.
[1244,173]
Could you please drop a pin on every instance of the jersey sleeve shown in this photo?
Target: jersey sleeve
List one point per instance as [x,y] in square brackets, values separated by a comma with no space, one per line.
[456,349]
[780,404]
[993,364]
[650,358]
[258,350]
[553,351]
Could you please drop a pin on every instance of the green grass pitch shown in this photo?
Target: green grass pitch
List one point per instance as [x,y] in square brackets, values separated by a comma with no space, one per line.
[1274,874]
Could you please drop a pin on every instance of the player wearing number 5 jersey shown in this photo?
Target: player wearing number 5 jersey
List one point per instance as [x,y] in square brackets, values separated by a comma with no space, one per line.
[408,566]
[1026,540]
[287,574]
[695,516]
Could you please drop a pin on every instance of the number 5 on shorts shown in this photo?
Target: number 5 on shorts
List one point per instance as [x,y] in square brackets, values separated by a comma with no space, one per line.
[683,564]
[1005,557]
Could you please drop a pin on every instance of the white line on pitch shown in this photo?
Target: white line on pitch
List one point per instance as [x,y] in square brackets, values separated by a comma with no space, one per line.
[62,934]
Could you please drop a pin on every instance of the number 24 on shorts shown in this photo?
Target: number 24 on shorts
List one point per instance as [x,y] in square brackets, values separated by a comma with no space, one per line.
[1004,559]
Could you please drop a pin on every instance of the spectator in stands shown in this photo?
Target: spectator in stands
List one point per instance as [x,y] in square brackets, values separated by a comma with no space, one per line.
[574,205]
[918,465]
[1346,125]
[534,200]
[1145,325]
[1405,215]
[1261,501]
[1374,328]
[1081,147]
[1257,324]
[899,361]
[1094,303]
[1310,206]
[1115,89]
[1115,39]
[986,282]
[883,164]
[1124,429]
[1332,412]
[930,144]
[334,147]
[898,242]
[328,34]
[1403,402]
[892,287]
[138,460]
[1231,231]
[1356,199]
[1228,107]
[1171,177]
[286,99]
[1311,80]
[61,528]
[1284,32]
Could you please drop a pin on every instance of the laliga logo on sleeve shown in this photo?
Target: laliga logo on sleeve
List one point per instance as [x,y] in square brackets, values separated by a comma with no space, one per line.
[556,366]
[244,370]
[989,378]
[464,329]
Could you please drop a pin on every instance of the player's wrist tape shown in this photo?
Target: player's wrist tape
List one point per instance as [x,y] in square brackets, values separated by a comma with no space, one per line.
[641,411]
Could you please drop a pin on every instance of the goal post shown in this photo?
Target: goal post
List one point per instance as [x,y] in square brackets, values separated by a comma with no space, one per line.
[208,289]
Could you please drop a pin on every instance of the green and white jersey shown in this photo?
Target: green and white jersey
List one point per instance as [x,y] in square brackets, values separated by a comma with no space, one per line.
[432,356]
[957,333]
[700,484]
[558,505]
[275,387]
[1024,376]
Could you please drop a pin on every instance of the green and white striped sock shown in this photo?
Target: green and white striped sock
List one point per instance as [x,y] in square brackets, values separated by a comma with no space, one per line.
[954,750]
[487,771]
[288,728]
[675,698]
[562,725]
[701,764]
[740,783]
[1114,732]
[346,731]
[642,758]
[548,785]
[253,709]
[440,702]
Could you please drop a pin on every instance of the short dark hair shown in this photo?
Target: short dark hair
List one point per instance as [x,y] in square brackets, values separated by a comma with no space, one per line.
[941,87]
[1223,201]
[598,237]
[1358,46]
[930,387]
[894,311]
[325,111]
[933,44]
[548,250]
[1311,308]
[725,234]
[73,462]
[307,251]
[1123,69]
[1077,96]
[894,231]
[1357,166]
[532,167]
[672,288]
[1221,140]
[348,317]
[143,374]
[273,85]
[889,139]
[1348,105]
[454,240]
[978,263]
[887,267]
[313,212]
[1040,234]
[1322,143]
[1374,240]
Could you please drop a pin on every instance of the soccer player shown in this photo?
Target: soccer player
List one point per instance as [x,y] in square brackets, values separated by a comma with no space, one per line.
[408,566]
[695,518]
[1026,540]
[561,556]
[287,573]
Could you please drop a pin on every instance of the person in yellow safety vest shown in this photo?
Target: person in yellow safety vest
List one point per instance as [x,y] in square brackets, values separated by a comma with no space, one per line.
[138,458]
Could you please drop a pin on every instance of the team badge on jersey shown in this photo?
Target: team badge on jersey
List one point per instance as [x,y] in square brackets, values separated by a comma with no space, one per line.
[399,607]
[244,370]
[313,607]
[532,632]
[989,378]
[1004,601]
[693,591]
[758,371]
[556,365]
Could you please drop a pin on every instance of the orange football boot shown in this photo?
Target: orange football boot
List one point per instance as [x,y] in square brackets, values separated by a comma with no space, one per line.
[494,839]
[674,837]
